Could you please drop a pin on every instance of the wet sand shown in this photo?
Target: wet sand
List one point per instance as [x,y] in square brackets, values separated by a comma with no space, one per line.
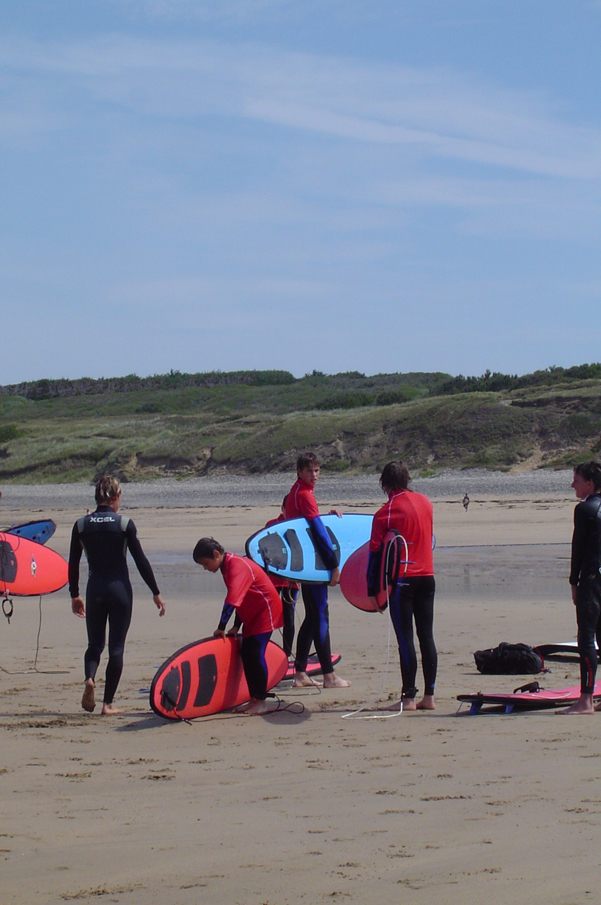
[420,808]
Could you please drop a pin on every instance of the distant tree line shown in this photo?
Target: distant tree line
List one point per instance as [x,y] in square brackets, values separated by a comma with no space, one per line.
[355,386]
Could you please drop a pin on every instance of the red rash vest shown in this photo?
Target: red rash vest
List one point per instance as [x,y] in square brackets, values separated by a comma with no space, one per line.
[411,514]
[301,502]
[252,594]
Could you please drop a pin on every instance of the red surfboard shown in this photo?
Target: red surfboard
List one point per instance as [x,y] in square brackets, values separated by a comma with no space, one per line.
[529,697]
[353,578]
[28,569]
[206,677]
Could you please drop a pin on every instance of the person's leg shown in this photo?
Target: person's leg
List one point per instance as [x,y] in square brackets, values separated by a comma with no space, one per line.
[252,652]
[304,639]
[423,612]
[401,613]
[321,637]
[288,596]
[96,616]
[588,609]
[120,612]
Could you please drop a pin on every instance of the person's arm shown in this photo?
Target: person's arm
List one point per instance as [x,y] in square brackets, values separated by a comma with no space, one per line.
[143,566]
[77,604]
[226,615]
[323,542]
[578,544]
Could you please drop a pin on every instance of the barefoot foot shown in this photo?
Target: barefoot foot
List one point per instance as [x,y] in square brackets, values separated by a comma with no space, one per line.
[256,708]
[110,710]
[88,700]
[426,703]
[331,680]
[302,680]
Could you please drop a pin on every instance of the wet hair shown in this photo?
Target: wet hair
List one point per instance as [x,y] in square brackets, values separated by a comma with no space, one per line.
[107,490]
[395,476]
[307,460]
[590,471]
[205,548]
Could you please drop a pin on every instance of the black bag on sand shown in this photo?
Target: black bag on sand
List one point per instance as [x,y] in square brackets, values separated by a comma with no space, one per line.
[509,660]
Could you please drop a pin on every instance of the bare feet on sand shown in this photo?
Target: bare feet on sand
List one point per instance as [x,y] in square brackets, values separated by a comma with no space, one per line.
[331,680]
[584,704]
[302,680]
[110,710]
[426,703]
[88,700]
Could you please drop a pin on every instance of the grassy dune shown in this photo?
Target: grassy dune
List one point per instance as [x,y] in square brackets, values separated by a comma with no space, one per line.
[355,423]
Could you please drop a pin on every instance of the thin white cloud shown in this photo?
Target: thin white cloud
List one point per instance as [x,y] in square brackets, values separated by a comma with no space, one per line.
[442,114]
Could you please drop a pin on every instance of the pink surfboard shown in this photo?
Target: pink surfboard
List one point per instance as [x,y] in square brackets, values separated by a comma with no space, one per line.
[353,578]
[207,677]
[532,697]
[29,569]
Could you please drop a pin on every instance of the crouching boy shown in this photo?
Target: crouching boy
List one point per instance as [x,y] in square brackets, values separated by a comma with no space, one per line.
[258,608]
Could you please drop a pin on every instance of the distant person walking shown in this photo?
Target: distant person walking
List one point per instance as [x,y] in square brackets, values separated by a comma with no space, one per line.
[466,502]
[585,578]
[106,537]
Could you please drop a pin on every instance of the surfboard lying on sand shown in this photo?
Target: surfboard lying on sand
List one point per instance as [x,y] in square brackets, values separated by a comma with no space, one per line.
[39,531]
[206,677]
[570,648]
[353,577]
[535,698]
[313,666]
[28,569]
[287,548]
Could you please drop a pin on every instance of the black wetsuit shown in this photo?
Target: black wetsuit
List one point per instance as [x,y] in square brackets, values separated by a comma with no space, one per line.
[105,537]
[586,576]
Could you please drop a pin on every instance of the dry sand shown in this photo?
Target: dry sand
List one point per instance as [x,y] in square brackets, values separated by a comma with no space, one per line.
[420,808]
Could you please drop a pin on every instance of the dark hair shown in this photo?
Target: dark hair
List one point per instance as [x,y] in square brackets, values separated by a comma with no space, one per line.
[395,476]
[107,490]
[590,471]
[205,548]
[307,460]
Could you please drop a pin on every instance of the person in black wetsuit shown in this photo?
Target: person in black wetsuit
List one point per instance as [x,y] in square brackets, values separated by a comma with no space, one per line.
[585,578]
[106,537]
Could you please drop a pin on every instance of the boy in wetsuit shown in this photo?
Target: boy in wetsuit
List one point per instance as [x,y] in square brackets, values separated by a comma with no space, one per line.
[253,597]
[410,514]
[585,578]
[300,503]
[106,537]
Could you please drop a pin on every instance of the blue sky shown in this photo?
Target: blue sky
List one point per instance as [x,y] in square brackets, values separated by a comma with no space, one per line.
[372,185]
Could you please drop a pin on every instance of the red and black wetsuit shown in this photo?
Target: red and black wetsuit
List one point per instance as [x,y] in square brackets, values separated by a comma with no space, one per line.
[411,515]
[106,537]
[288,591]
[250,592]
[585,576]
[301,503]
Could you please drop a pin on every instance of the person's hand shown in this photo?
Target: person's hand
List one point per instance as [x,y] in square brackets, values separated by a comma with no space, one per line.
[335,512]
[233,633]
[335,577]
[219,633]
[377,607]
[160,604]
[78,607]
[574,588]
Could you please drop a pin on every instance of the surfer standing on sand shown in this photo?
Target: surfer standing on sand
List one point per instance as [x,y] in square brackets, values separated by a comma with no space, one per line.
[301,503]
[585,578]
[411,515]
[252,595]
[105,537]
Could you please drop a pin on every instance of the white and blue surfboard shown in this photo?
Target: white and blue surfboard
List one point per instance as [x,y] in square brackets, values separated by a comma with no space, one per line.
[39,531]
[287,549]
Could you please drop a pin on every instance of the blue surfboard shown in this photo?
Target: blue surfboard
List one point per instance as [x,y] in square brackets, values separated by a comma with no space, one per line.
[286,549]
[39,531]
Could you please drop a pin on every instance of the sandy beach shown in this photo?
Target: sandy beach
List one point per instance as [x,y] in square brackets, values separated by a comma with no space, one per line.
[319,807]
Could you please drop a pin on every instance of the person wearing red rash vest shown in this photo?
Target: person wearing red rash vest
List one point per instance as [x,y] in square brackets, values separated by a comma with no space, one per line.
[254,599]
[301,503]
[410,514]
